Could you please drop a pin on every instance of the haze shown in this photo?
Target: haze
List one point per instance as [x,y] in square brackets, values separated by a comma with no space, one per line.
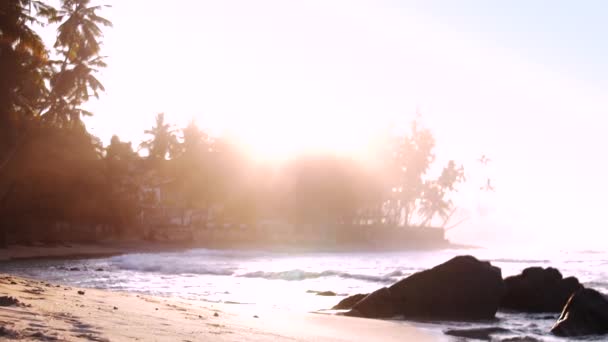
[524,83]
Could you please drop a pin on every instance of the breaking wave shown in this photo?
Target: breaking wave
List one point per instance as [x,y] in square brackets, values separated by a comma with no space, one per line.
[143,263]
[296,275]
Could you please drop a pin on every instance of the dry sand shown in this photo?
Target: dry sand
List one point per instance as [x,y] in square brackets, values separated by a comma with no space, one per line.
[48,312]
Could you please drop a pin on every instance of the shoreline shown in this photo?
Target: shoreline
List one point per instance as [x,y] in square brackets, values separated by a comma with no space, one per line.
[47,311]
[113,248]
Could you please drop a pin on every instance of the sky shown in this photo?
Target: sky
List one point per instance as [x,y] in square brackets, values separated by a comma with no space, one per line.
[523,82]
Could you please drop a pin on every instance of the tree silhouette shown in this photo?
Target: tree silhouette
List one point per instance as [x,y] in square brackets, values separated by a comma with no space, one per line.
[78,44]
[163,141]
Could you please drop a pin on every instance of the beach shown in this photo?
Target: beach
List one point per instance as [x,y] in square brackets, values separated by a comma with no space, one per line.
[172,293]
[49,311]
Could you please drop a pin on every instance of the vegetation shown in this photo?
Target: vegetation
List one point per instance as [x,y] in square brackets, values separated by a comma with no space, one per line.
[54,173]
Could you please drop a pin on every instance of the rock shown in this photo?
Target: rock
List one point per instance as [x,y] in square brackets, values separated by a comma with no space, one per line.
[348,302]
[322,293]
[8,333]
[379,303]
[586,313]
[215,314]
[462,288]
[99,269]
[115,308]
[13,283]
[538,289]
[73,269]
[9,301]
[81,292]
[477,333]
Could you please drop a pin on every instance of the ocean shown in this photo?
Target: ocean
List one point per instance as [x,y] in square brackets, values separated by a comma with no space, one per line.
[291,281]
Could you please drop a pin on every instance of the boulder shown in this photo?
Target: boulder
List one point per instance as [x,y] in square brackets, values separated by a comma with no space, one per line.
[462,288]
[586,313]
[379,303]
[348,302]
[538,289]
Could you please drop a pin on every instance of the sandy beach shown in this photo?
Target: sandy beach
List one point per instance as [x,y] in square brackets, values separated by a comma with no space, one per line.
[48,311]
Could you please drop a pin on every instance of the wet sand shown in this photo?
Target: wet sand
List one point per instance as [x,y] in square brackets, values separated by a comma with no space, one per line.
[55,312]
[100,249]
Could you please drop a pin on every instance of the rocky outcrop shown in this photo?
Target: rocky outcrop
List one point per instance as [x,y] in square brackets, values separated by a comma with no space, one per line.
[538,289]
[586,313]
[348,302]
[462,288]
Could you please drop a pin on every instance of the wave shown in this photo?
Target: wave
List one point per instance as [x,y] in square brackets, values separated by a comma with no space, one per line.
[521,261]
[141,263]
[298,275]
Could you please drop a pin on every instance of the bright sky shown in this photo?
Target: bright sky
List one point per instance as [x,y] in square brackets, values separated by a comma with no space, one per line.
[525,82]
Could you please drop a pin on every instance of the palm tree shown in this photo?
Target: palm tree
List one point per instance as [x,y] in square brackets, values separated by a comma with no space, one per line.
[195,142]
[23,62]
[163,142]
[73,80]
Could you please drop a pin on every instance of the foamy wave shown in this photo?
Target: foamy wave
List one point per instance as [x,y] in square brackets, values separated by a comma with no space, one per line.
[296,275]
[522,261]
[167,266]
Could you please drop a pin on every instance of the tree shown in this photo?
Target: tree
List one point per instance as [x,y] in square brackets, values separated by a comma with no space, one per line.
[73,78]
[433,201]
[414,197]
[24,70]
[163,141]
[122,177]
[47,158]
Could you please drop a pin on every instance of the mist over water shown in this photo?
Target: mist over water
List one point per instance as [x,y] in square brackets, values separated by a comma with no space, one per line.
[289,280]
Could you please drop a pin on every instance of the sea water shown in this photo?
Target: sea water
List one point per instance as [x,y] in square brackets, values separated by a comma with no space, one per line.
[290,281]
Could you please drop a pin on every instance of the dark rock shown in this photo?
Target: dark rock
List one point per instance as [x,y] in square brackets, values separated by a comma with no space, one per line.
[215,314]
[484,334]
[322,293]
[379,303]
[538,289]
[13,283]
[8,333]
[115,308]
[9,301]
[99,270]
[348,302]
[74,269]
[81,292]
[586,313]
[462,288]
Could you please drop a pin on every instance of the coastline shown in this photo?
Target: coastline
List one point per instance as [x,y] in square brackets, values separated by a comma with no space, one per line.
[113,248]
[49,311]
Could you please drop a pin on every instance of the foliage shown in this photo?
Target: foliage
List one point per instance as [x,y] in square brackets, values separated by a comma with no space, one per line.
[53,171]
[163,141]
